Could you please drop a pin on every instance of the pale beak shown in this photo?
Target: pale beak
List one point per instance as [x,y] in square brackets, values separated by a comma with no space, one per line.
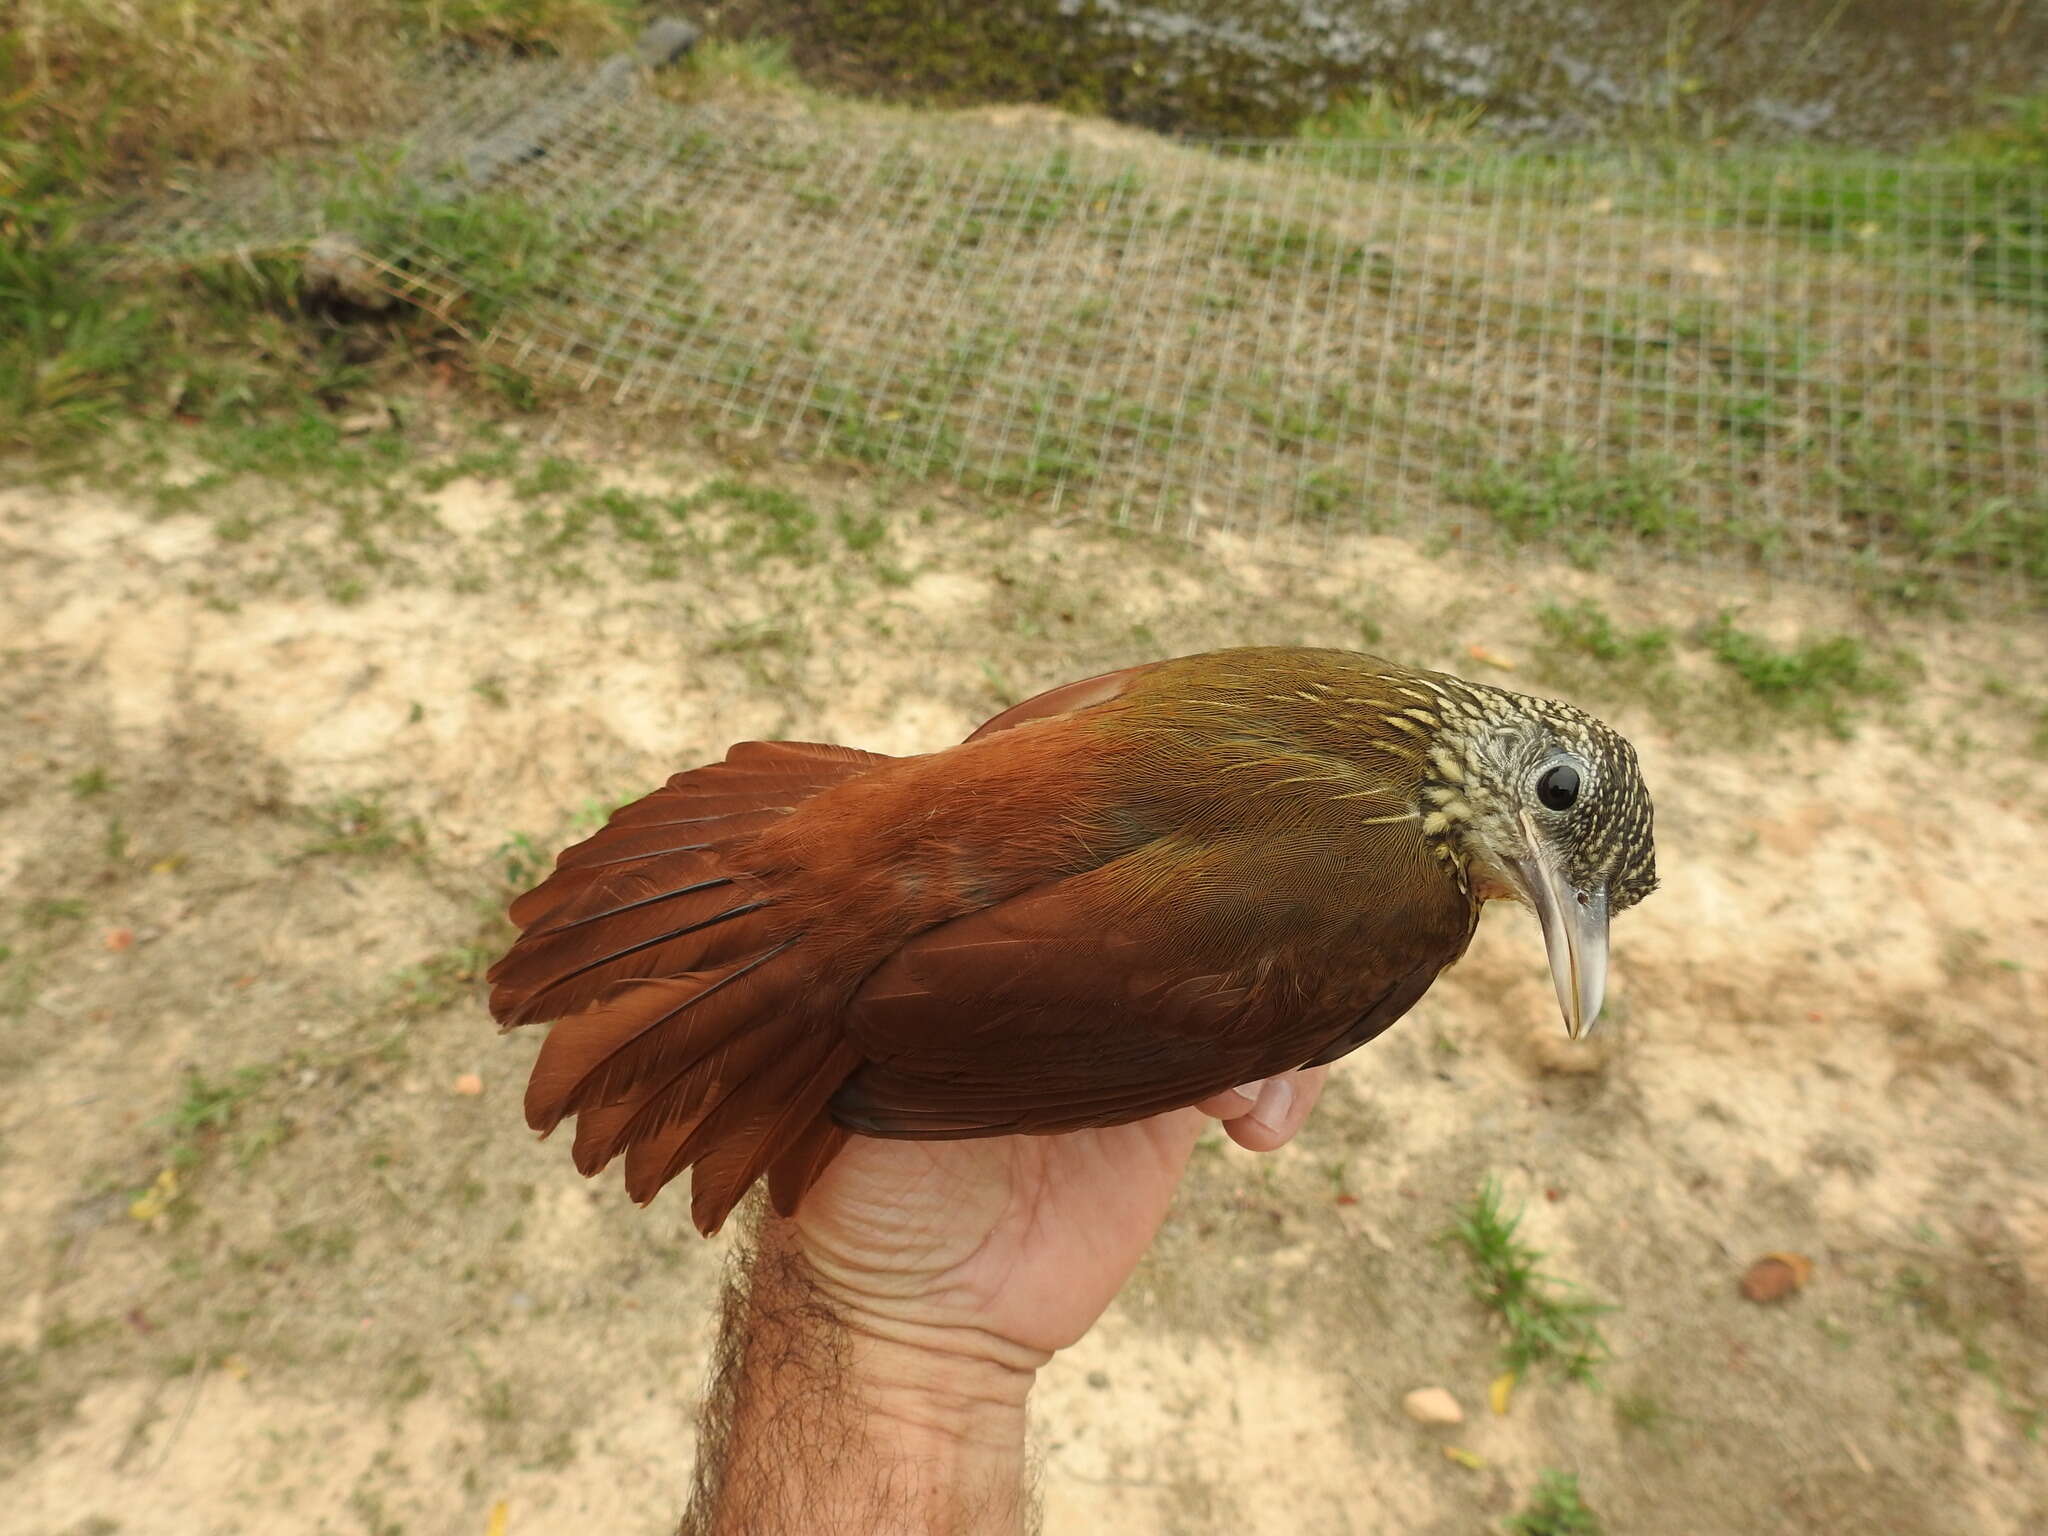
[1574,934]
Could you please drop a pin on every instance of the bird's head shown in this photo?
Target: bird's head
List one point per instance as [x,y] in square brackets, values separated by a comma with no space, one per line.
[1535,800]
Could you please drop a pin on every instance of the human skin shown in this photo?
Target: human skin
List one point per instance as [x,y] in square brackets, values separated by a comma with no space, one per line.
[877,1350]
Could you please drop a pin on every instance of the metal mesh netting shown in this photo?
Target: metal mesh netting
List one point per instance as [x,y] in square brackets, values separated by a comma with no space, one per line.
[1821,365]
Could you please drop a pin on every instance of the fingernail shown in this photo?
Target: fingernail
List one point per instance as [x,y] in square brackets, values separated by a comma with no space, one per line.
[1275,1099]
[1250,1091]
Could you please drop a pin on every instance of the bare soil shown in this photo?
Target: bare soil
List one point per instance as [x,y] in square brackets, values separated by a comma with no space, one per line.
[267,1269]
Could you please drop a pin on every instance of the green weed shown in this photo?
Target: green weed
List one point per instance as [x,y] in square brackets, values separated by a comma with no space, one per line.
[765,523]
[1643,1412]
[1554,1509]
[1563,498]
[1585,629]
[522,860]
[90,782]
[208,1109]
[359,826]
[1543,1325]
[49,911]
[754,63]
[1381,115]
[442,980]
[1814,681]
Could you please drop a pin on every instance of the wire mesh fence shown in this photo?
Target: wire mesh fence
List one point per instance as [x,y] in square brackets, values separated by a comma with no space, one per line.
[1824,365]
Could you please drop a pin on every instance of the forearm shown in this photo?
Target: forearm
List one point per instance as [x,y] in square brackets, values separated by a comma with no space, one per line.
[822,1418]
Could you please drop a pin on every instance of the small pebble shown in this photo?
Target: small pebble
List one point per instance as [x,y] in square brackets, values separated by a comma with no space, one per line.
[1098,1379]
[1432,1405]
[470,1084]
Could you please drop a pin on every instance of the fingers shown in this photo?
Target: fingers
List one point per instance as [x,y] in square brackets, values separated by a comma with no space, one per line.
[1264,1115]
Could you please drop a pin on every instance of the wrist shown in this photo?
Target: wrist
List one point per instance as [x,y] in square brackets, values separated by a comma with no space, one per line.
[841,1417]
[938,1384]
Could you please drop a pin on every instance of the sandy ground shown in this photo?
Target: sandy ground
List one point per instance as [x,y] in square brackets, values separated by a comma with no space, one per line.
[316,1288]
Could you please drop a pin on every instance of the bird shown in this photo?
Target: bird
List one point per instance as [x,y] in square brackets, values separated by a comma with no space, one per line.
[1114,899]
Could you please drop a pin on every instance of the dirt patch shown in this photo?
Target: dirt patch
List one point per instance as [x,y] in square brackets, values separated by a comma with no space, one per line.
[267,1270]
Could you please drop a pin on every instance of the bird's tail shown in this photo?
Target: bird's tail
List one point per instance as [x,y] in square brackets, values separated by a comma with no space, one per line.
[684,1038]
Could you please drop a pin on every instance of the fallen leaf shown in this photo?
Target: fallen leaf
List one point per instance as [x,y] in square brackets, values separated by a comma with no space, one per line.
[155,1200]
[1776,1276]
[501,1513]
[1485,657]
[1500,1392]
[169,864]
[119,939]
[470,1084]
[235,1366]
[1464,1458]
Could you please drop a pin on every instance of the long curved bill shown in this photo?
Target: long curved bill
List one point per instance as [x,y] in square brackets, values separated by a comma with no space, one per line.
[1574,935]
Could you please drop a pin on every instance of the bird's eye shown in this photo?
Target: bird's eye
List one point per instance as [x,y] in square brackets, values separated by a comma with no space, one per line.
[1559,787]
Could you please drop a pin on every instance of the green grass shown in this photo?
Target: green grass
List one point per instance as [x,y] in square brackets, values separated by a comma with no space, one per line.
[1642,1412]
[206,1112]
[1554,1509]
[360,827]
[1585,629]
[1815,681]
[48,911]
[1563,498]
[443,980]
[1545,1323]
[765,523]
[1381,115]
[751,63]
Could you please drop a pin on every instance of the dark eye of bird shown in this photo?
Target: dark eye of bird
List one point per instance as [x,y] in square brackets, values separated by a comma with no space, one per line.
[1559,787]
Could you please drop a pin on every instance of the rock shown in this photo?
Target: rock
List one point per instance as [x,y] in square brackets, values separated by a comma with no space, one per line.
[469,1084]
[1432,1405]
[1776,1276]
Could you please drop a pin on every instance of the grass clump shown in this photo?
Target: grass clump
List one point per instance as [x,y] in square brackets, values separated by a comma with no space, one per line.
[1563,498]
[363,827]
[1381,115]
[208,1110]
[765,523]
[1586,630]
[1554,1509]
[1544,1324]
[1813,681]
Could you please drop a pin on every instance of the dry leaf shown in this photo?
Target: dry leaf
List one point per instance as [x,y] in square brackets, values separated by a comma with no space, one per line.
[1500,1392]
[155,1200]
[1490,658]
[1464,1458]
[501,1514]
[119,939]
[1776,1276]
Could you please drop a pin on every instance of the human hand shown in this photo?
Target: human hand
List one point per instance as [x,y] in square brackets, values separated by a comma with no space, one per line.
[873,1365]
[1009,1248]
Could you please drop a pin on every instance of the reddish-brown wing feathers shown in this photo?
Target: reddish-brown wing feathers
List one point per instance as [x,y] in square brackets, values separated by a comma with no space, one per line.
[1077,1005]
[698,950]
[1007,936]
[662,957]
